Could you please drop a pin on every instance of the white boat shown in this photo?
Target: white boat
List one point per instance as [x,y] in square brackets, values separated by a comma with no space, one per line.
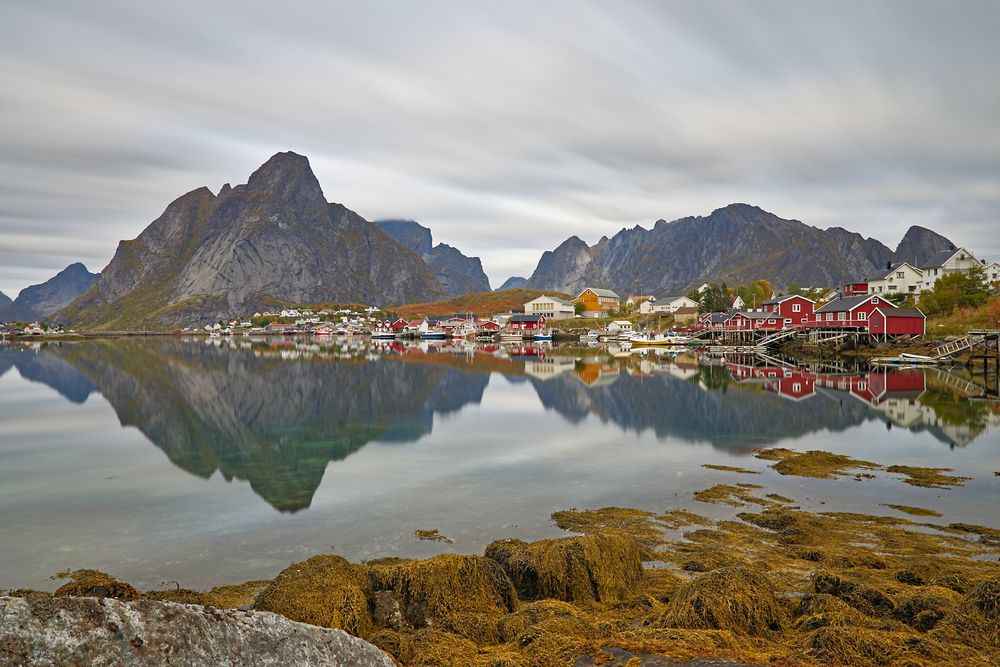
[433,334]
[668,338]
[906,359]
[383,334]
[543,336]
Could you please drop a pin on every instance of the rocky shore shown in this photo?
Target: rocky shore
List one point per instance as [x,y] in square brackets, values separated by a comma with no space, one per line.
[775,585]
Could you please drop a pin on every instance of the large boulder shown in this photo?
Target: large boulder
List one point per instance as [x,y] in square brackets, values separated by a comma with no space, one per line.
[43,630]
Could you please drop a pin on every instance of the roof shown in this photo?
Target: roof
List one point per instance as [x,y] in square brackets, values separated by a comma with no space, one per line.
[895,267]
[939,258]
[525,318]
[686,310]
[846,303]
[622,322]
[754,314]
[717,318]
[555,299]
[786,297]
[673,297]
[601,292]
[902,312]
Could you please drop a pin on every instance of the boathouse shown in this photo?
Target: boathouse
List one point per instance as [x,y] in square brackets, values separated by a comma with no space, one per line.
[526,323]
[897,322]
[790,311]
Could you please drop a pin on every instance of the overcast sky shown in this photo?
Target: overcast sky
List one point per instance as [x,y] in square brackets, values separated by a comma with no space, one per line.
[503,126]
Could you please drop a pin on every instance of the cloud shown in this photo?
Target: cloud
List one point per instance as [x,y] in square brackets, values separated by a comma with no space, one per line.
[505,127]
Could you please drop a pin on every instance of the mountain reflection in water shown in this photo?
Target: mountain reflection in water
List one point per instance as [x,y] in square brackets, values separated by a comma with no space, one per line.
[275,413]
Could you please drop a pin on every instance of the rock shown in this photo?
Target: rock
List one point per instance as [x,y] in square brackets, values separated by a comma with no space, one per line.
[39,301]
[273,241]
[457,273]
[726,246]
[44,630]
[514,282]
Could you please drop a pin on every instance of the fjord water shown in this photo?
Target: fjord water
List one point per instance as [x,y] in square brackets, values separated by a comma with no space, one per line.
[205,462]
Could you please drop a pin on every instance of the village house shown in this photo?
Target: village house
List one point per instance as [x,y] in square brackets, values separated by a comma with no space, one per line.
[686,315]
[945,262]
[596,302]
[854,289]
[526,323]
[667,304]
[901,277]
[637,299]
[736,302]
[992,271]
[791,310]
[550,307]
[874,314]
[620,326]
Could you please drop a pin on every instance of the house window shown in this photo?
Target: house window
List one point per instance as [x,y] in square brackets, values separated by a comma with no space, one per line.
[796,387]
[900,274]
[796,307]
[841,316]
[874,299]
[862,316]
[829,316]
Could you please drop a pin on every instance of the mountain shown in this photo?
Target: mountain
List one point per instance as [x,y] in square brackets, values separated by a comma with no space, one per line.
[40,301]
[5,300]
[457,273]
[270,242]
[736,244]
[514,282]
[919,244]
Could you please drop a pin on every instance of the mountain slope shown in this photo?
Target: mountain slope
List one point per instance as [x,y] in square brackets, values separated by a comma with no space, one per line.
[919,244]
[735,244]
[273,241]
[514,282]
[457,273]
[40,301]
[5,300]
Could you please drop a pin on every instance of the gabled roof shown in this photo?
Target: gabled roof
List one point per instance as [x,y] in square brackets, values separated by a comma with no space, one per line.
[938,259]
[754,314]
[885,275]
[525,318]
[718,318]
[601,292]
[901,312]
[673,297]
[778,299]
[687,310]
[554,299]
[848,303]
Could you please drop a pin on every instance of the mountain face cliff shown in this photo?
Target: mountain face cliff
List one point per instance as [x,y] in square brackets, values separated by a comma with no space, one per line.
[270,242]
[5,300]
[736,244]
[457,273]
[919,244]
[39,301]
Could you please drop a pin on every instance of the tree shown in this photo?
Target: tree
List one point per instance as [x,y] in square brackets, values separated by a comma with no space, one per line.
[953,290]
[755,293]
[714,299]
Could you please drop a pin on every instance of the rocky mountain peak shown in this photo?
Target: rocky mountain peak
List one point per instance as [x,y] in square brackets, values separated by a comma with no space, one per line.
[920,244]
[457,273]
[5,300]
[410,233]
[39,301]
[287,177]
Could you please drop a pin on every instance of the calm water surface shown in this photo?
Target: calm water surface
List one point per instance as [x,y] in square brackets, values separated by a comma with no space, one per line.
[209,462]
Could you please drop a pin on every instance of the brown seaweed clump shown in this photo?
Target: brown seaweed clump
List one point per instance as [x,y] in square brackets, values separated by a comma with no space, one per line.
[931,478]
[96,584]
[599,567]
[743,471]
[221,597]
[635,523]
[913,511]
[736,599]
[813,463]
[327,591]
[432,535]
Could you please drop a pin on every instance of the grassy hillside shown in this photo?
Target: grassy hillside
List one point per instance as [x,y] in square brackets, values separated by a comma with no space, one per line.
[480,303]
[961,320]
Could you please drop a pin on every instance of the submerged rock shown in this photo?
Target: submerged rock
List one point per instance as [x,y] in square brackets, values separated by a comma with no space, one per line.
[41,629]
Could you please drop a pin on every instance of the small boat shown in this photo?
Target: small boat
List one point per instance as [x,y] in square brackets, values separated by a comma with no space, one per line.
[383,334]
[668,338]
[433,334]
[906,359]
[543,336]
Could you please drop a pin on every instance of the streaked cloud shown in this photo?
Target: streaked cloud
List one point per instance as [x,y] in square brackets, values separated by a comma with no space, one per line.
[505,127]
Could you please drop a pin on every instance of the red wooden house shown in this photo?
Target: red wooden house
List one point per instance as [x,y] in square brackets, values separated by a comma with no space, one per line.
[487,325]
[873,314]
[791,310]
[526,323]
[399,325]
[854,289]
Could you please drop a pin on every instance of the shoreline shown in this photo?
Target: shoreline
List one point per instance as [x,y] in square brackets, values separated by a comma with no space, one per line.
[775,584]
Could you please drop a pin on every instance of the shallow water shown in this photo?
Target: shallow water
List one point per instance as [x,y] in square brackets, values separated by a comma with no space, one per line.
[211,461]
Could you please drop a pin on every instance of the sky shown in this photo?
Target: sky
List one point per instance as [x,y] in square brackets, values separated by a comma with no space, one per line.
[505,127]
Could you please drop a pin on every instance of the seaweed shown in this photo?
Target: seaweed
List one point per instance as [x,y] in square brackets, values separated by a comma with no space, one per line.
[930,478]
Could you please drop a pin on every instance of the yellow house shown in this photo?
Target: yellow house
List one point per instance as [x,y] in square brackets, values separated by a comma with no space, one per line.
[597,302]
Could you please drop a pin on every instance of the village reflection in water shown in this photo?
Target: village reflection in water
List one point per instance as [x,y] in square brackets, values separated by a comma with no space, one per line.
[276,411]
